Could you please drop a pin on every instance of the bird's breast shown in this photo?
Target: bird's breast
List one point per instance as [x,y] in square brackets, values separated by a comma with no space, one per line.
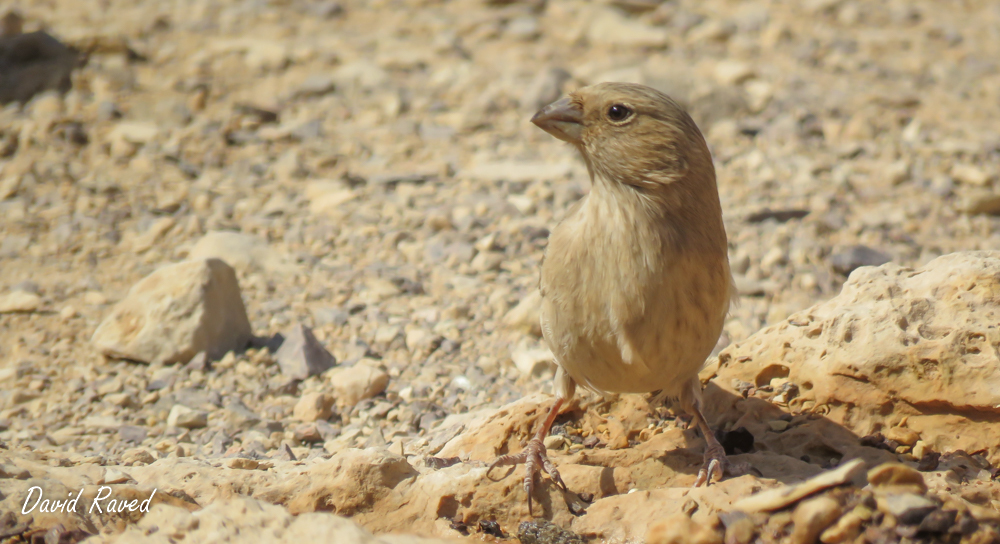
[625,307]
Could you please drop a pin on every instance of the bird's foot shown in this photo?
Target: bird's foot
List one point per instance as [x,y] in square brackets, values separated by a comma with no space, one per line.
[535,460]
[717,465]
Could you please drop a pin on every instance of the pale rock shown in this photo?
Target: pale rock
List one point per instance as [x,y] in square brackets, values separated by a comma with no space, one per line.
[979,201]
[778,425]
[110,386]
[264,54]
[114,476]
[176,312]
[19,302]
[362,73]
[379,289]
[902,435]
[773,499]
[812,517]
[523,28]
[301,355]
[182,416]
[526,316]
[752,288]
[356,383]
[896,172]
[288,167]
[101,422]
[524,203]
[145,241]
[759,94]
[896,474]
[732,72]
[970,175]
[119,399]
[845,529]
[386,334]
[137,456]
[774,257]
[313,407]
[65,435]
[533,362]
[11,373]
[486,243]
[94,298]
[134,132]
[331,201]
[555,442]
[419,339]
[244,252]
[315,85]
[232,519]
[487,261]
[9,186]
[866,353]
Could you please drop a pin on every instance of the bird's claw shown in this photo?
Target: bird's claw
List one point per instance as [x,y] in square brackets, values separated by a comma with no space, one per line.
[714,467]
[535,460]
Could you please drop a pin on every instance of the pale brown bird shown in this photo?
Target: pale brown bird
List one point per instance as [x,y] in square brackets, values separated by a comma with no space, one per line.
[635,281]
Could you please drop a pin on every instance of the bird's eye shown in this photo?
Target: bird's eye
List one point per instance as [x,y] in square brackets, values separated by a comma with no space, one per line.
[619,112]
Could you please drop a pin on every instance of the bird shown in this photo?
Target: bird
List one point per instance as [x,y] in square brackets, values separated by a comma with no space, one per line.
[635,280]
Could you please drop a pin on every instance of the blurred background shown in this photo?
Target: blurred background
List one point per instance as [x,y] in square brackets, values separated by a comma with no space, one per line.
[377,160]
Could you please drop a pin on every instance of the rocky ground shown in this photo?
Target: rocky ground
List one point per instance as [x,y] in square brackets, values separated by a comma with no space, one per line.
[365,173]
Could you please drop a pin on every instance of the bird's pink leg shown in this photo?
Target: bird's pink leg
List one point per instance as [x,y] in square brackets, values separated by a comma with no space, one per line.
[715,462]
[534,456]
[715,455]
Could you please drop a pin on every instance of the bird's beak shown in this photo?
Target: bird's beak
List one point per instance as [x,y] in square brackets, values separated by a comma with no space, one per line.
[562,119]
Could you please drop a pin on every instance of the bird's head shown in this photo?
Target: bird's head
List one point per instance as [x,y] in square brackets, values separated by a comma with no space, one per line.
[630,134]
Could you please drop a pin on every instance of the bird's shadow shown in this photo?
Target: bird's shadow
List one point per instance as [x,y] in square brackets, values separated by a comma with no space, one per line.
[805,445]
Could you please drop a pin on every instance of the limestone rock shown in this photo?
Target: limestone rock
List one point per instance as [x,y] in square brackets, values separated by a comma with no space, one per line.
[970,174]
[681,529]
[812,517]
[176,312]
[19,301]
[356,383]
[301,355]
[232,520]
[312,407]
[533,362]
[916,343]
[896,474]
[774,499]
[526,315]
[182,416]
